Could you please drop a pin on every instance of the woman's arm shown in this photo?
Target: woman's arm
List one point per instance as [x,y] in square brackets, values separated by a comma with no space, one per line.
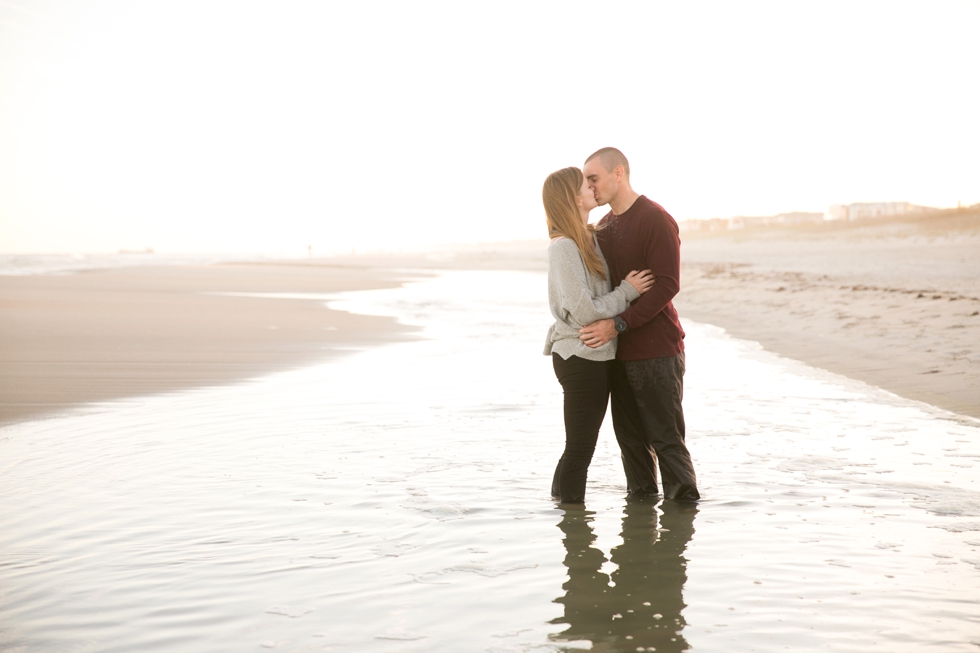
[566,266]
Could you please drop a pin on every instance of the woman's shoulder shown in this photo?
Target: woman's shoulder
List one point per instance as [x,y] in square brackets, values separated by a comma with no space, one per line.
[562,243]
[563,249]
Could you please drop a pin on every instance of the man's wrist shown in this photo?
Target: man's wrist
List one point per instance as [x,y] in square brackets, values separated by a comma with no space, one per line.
[620,324]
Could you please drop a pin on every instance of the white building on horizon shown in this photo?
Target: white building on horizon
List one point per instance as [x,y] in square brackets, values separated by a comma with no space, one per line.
[862,210]
[792,218]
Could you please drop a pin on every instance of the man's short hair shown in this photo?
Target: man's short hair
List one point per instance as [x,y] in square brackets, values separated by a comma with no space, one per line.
[610,157]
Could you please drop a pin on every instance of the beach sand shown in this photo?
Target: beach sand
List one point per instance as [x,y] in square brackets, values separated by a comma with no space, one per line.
[350,496]
[104,334]
[396,500]
[892,302]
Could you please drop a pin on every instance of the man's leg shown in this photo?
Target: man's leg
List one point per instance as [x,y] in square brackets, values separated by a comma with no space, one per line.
[658,389]
[639,461]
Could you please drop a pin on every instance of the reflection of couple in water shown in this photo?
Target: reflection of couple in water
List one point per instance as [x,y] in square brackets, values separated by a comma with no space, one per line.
[640,610]
[610,289]
[616,331]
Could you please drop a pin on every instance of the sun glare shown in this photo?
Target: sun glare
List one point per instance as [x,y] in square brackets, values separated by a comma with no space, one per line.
[227,127]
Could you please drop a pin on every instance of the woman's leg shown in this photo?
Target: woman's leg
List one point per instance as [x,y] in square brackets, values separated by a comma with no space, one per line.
[586,390]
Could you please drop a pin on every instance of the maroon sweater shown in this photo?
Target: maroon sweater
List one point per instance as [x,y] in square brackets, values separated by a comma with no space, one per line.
[645,237]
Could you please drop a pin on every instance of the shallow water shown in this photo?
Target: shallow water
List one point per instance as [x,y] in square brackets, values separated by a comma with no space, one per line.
[398,500]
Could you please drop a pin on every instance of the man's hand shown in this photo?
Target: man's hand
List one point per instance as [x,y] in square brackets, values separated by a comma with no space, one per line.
[598,333]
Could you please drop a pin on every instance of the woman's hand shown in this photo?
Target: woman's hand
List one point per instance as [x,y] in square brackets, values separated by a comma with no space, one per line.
[642,281]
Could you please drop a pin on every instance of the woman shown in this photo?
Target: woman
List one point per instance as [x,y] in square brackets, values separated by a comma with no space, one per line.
[579,294]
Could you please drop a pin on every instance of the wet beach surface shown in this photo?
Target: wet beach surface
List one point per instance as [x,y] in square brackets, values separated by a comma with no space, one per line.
[70,337]
[894,302]
[397,500]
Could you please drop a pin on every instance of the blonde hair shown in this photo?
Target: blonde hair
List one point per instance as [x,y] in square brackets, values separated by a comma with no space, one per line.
[563,217]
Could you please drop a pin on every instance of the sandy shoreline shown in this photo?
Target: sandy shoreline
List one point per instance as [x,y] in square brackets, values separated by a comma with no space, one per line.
[354,505]
[893,303]
[106,334]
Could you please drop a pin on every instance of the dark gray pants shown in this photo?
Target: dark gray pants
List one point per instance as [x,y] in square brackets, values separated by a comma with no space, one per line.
[649,423]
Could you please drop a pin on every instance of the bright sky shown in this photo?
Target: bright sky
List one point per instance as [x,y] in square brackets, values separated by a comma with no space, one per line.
[203,126]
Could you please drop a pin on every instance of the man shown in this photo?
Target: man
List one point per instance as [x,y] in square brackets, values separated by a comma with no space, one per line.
[647,381]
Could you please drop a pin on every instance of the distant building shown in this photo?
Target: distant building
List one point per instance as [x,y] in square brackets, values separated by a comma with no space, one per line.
[865,210]
[847,212]
[799,217]
[748,222]
[711,224]
[796,217]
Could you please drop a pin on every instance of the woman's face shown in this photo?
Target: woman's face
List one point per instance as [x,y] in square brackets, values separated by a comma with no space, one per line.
[587,196]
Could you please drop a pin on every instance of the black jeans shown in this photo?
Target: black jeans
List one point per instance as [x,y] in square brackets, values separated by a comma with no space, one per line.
[649,422]
[585,385]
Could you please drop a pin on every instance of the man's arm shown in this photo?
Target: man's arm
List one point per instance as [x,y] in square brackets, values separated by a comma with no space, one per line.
[662,255]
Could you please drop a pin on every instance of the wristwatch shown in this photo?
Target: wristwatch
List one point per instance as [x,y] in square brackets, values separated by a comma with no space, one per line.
[620,324]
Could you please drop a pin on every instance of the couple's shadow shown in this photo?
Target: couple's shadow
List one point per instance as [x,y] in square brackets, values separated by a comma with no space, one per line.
[641,609]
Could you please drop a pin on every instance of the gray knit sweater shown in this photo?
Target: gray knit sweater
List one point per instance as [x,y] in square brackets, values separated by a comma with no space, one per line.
[577,298]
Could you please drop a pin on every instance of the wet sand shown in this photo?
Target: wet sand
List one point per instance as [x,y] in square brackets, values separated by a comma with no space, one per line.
[98,335]
[391,500]
[892,302]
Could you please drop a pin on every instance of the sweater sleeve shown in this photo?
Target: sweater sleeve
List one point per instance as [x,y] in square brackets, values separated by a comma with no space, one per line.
[662,255]
[566,266]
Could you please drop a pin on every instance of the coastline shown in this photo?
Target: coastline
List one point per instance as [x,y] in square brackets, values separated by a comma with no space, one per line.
[245,517]
[97,335]
[893,303]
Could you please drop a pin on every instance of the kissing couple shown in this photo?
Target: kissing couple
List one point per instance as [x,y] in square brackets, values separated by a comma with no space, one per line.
[616,332]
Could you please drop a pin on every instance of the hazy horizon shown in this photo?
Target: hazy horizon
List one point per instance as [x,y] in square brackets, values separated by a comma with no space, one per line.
[216,127]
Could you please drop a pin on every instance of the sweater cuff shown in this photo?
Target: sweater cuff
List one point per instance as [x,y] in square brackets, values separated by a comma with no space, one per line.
[631,293]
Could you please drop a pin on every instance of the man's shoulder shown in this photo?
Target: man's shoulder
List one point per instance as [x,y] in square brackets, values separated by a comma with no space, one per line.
[656,214]
[649,207]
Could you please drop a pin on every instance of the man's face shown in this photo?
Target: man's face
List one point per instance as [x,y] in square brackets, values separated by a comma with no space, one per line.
[601,181]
